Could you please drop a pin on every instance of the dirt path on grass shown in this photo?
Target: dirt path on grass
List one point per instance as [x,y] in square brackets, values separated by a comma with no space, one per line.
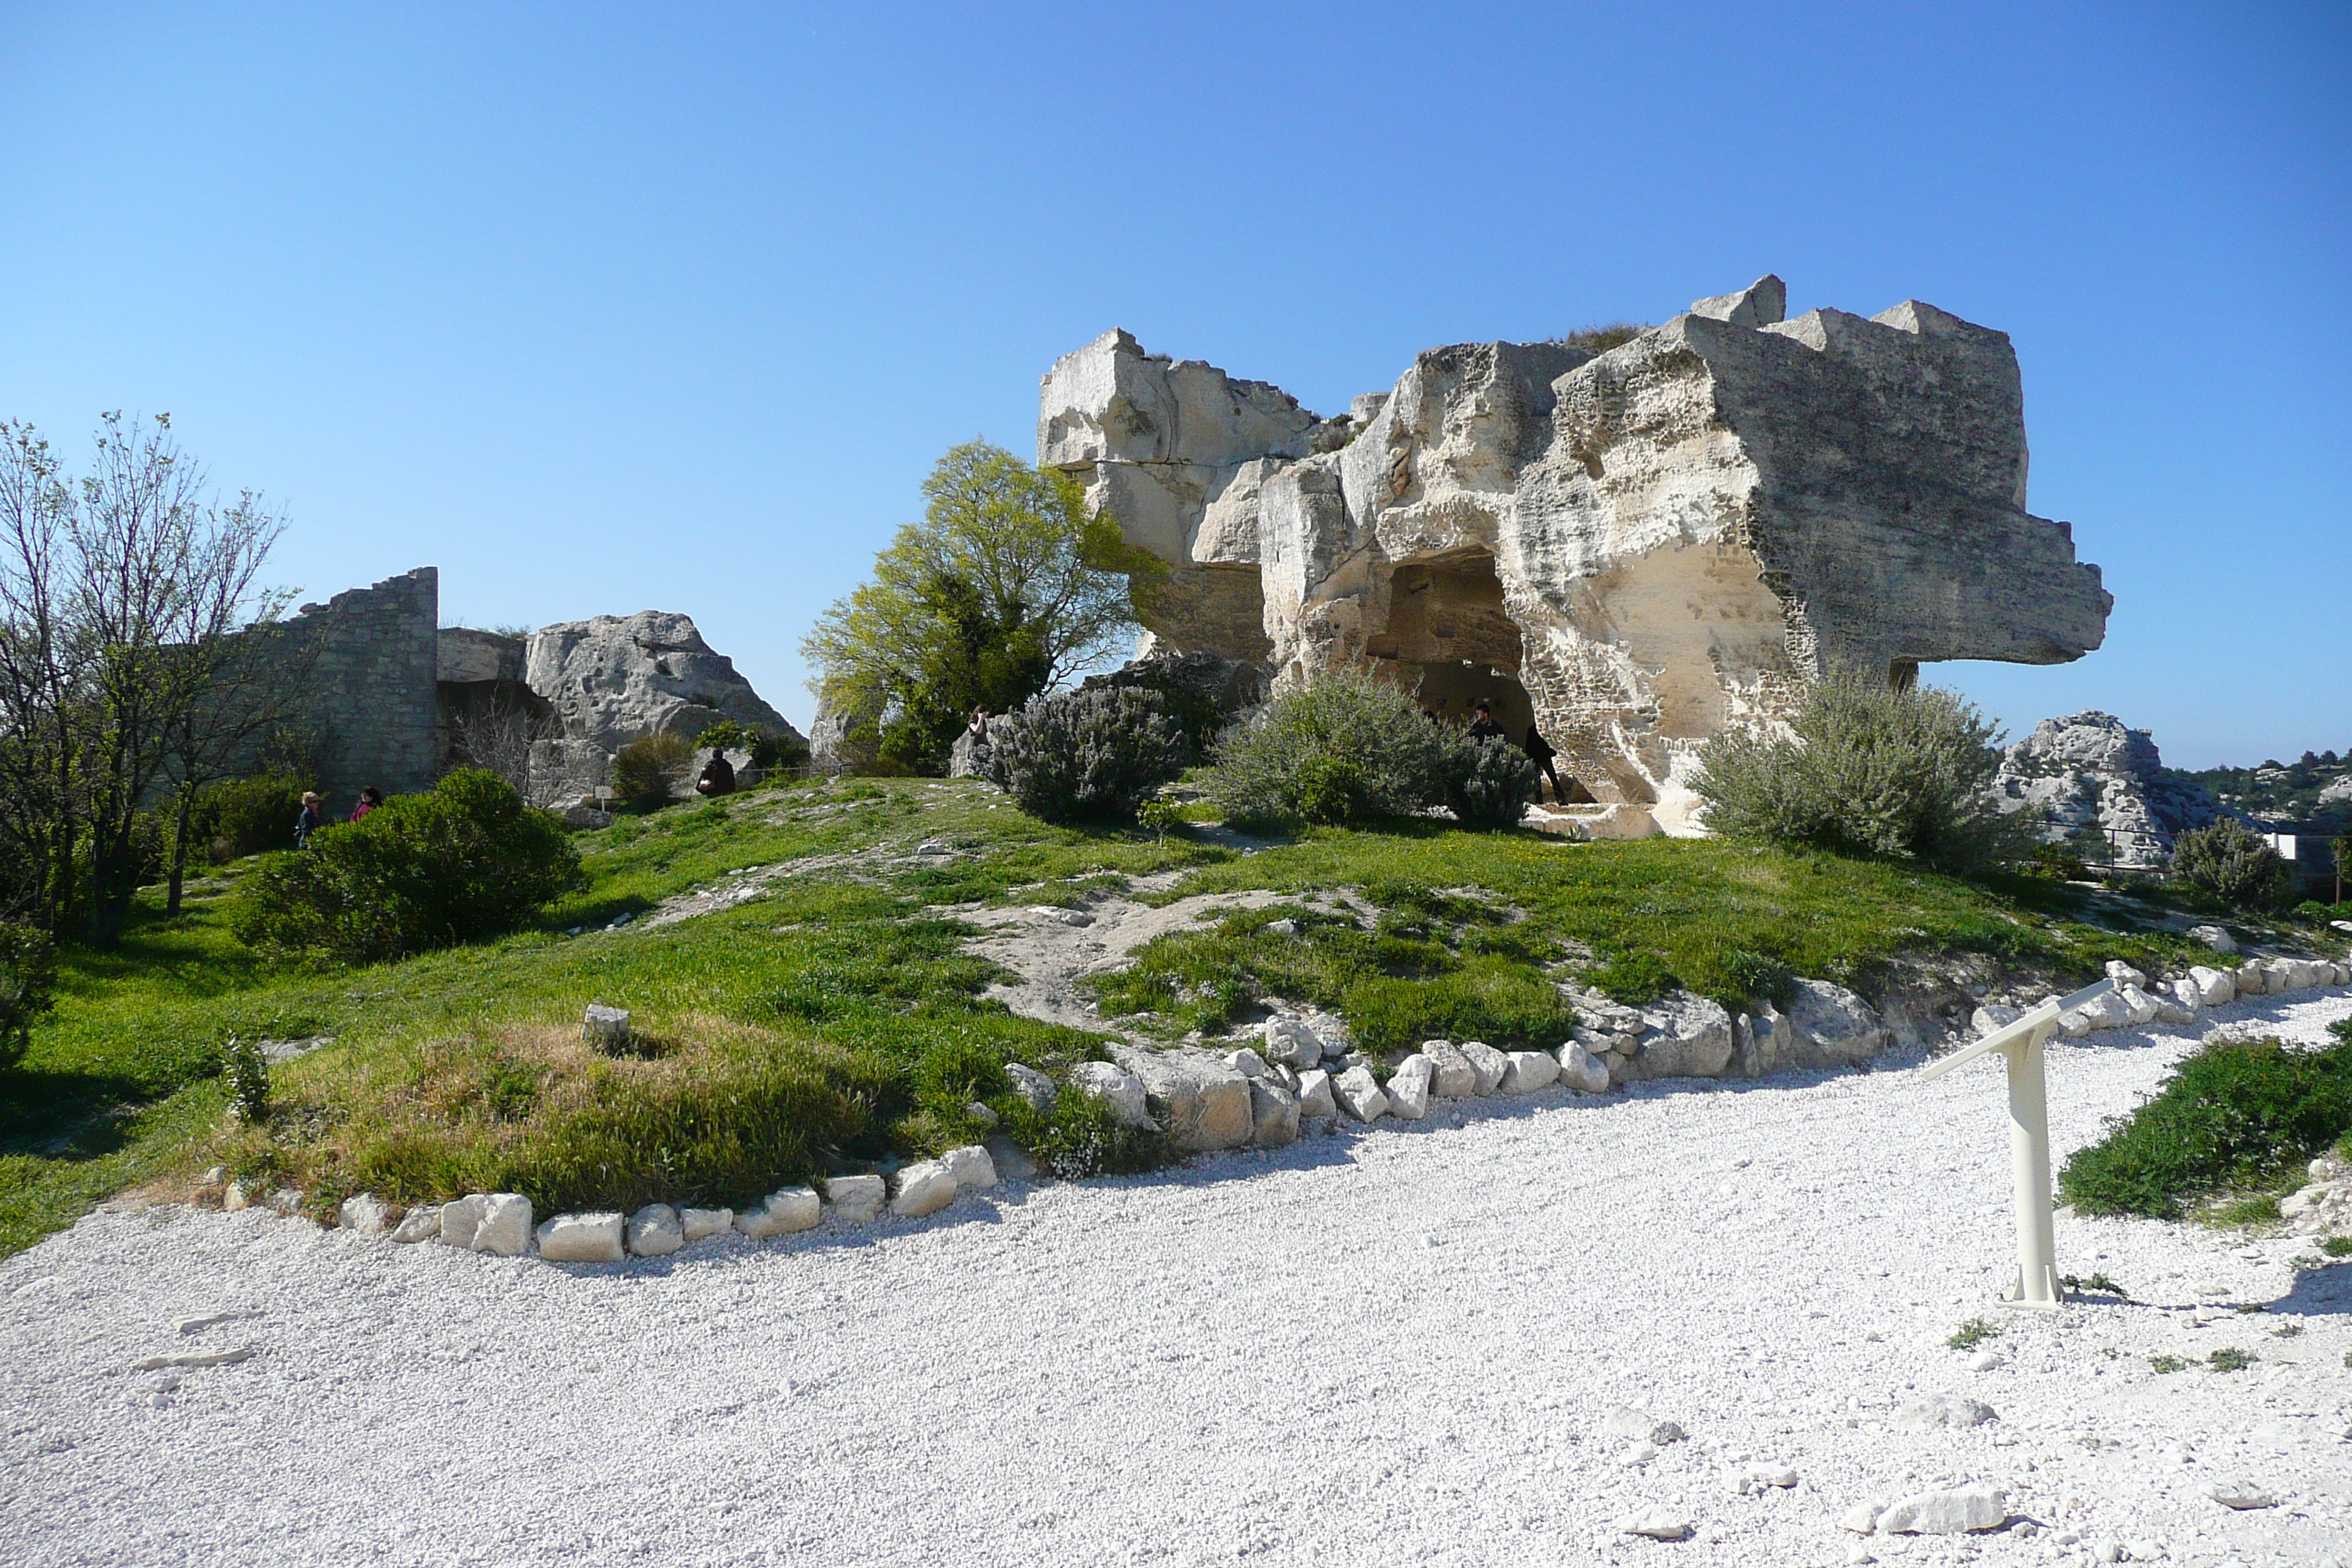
[1392,1345]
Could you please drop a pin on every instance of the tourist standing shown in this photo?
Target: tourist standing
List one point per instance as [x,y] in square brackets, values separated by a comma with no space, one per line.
[1482,727]
[369,798]
[313,819]
[1539,753]
[718,775]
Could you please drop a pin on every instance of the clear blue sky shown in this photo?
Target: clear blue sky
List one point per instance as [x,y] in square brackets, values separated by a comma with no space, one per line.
[603,308]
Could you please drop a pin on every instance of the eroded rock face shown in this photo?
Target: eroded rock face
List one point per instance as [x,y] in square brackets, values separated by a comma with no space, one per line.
[2103,789]
[614,678]
[1632,550]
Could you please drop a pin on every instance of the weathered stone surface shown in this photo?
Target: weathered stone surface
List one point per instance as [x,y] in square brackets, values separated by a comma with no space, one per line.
[460,1217]
[2218,938]
[1524,1072]
[581,1238]
[1451,1076]
[1632,550]
[1630,1424]
[605,1028]
[699,1224]
[613,678]
[857,1199]
[2105,789]
[1012,1162]
[422,1223]
[1274,1113]
[1657,1523]
[655,1231]
[1580,1069]
[1247,1063]
[1290,1042]
[1031,1085]
[505,1228]
[1947,1511]
[1487,1064]
[925,1187]
[1408,1088]
[1830,1026]
[971,1166]
[1314,1098]
[1198,1101]
[1115,1087]
[790,1209]
[1360,1094]
[366,1213]
[1692,1038]
[1210,684]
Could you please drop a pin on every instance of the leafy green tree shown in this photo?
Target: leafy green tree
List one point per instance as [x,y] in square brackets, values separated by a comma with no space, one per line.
[1006,589]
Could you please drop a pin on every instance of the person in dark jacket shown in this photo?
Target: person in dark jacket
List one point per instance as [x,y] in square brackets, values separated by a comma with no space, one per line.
[718,775]
[313,819]
[369,798]
[1482,725]
[1539,753]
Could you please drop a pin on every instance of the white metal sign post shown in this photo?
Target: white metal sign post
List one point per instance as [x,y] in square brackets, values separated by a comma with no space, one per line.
[2029,1141]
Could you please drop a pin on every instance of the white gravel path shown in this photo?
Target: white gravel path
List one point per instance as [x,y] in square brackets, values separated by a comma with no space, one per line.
[1371,1348]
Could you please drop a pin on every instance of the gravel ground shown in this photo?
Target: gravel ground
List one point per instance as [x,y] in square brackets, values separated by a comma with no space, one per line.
[1394,1346]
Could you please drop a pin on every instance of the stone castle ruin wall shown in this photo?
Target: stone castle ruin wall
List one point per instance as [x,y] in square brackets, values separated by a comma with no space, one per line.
[1633,549]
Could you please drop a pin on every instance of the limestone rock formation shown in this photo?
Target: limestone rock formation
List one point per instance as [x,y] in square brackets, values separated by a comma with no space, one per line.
[2104,790]
[1632,548]
[614,678]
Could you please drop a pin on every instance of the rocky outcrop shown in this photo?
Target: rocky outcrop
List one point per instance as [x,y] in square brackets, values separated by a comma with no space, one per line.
[1632,548]
[614,678]
[2102,790]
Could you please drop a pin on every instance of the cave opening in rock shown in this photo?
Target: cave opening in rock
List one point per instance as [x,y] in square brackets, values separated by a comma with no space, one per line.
[1450,643]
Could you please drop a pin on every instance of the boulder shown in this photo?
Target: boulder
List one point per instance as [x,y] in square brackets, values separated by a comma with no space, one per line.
[972,1168]
[614,678]
[1524,1072]
[655,1231]
[1032,1085]
[1691,1038]
[2250,978]
[1291,1043]
[1360,1094]
[2215,937]
[2124,974]
[790,1209]
[460,1218]
[1199,1102]
[2139,1007]
[1949,1510]
[581,1238]
[606,1030]
[505,1228]
[2240,1494]
[1943,1410]
[1581,1070]
[1992,1018]
[1831,1027]
[1116,1088]
[1314,1098]
[924,1187]
[699,1224]
[1450,1076]
[422,1223]
[1010,1162]
[1247,1063]
[857,1199]
[366,1213]
[1408,1086]
[1274,1113]
[1488,1064]
[2214,986]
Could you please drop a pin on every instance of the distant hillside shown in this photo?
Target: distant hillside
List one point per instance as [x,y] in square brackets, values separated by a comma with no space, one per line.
[2312,795]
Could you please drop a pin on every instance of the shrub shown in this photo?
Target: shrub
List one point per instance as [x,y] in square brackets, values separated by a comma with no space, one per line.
[1869,769]
[468,860]
[246,1067]
[768,749]
[641,769]
[1345,748]
[28,978]
[1087,755]
[1489,783]
[247,816]
[2234,864]
[2236,1114]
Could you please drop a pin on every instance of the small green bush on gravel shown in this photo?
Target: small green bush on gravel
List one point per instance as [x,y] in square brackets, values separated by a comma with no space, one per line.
[421,871]
[2234,1114]
[1086,756]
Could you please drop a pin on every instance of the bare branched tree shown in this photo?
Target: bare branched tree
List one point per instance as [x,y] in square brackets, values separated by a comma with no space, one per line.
[498,733]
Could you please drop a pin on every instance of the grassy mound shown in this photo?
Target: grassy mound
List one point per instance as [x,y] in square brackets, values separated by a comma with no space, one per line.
[2236,1114]
[837,1017]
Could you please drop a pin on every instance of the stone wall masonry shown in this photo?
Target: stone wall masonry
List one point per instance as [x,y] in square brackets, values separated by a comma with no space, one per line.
[370,694]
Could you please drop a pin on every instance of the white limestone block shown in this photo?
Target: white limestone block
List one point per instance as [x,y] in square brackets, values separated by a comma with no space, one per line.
[971,1167]
[1524,1072]
[924,1187]
[1358,1094]
[655,1231]
[1582,1071]
[460,1217]
[699,1224]
[1488,1063]
[422,1223]
[581,1238]
[1408,1088]
[781,1212]
[1315,1094]
[1950,1510]
[857,1199]
[505,1228]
